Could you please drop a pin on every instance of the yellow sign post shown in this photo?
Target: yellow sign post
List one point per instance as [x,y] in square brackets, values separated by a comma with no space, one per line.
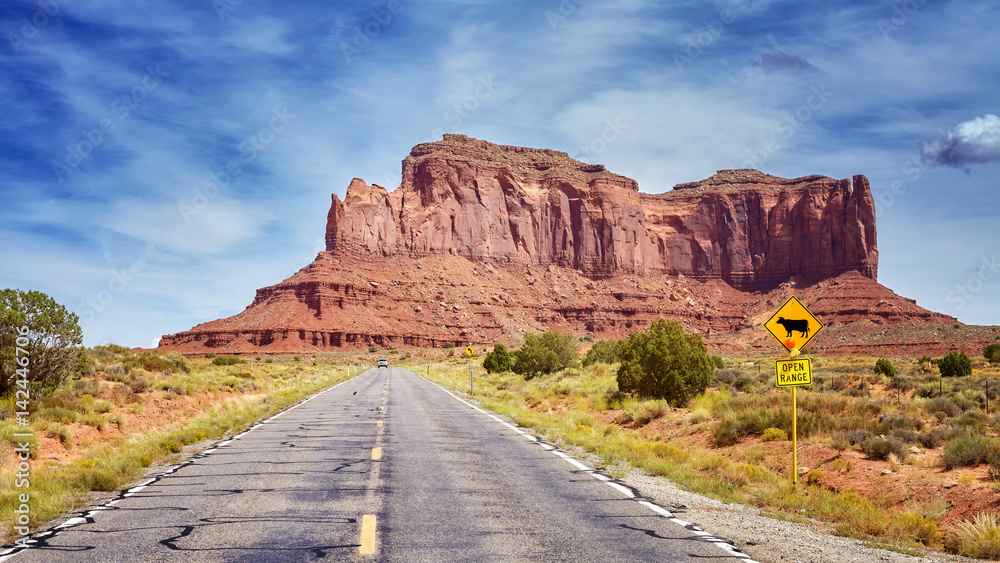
[470,352]
[793,326]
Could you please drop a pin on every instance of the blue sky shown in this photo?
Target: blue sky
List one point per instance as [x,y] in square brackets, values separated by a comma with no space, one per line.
[161,161]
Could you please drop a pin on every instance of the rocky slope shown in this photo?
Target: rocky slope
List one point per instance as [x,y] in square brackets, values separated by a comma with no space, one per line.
[482,242]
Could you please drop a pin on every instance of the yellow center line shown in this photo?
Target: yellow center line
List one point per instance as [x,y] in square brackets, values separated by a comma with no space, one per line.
[378,423]
[376,453]
[367,546]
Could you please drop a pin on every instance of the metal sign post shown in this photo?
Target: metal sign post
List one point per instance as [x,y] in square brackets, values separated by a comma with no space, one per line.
[469,352]
[793,326]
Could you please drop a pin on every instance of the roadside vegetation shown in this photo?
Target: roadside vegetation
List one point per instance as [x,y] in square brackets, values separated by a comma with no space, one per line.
[864,424]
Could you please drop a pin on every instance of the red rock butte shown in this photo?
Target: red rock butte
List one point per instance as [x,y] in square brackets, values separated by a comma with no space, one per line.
[482,242]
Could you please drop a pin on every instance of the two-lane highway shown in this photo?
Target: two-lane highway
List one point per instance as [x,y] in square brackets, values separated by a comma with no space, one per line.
[386,466]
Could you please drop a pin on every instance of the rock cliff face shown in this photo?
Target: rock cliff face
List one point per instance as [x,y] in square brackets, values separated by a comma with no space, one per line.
[482,242]
[519,206]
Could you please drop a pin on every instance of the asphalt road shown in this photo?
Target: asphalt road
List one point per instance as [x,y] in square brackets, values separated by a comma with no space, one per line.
[384,467]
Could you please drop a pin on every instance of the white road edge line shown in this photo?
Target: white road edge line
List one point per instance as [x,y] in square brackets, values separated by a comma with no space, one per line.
[658,510]
[12,552]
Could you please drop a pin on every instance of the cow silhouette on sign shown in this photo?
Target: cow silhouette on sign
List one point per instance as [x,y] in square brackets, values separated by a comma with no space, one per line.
[797,325]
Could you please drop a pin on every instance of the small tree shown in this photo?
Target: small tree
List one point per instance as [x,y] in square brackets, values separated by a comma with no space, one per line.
[955,364]
[547,353]
[884,367]
[717,362]
[47,335]
[992,353]
[606,351]
[664,362]
[498,361]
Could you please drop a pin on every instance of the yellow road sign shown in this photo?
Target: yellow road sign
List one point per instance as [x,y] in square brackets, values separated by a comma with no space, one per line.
[793,372]
[793,325]
[470,352]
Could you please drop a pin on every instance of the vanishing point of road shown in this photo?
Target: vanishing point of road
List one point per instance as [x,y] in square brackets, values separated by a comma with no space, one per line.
[386,466]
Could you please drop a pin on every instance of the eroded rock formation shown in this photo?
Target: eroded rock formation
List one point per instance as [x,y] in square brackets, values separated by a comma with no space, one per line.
[482,242]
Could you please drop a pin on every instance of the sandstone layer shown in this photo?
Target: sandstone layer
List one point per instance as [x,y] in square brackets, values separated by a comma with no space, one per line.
[482,242]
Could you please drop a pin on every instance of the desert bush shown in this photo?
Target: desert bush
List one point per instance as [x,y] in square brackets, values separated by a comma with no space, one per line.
[227,361]
[955,364]
[95,420]
[745,384]
[664,362]
[606,351]
[546,353]
[972,421]
[745,415]
[41,338]
[932,439]
[879,448]
[919,528]
[978,538]
[61,431]
[885,367]
[717,362]
[943,405]
[897,422]
[813,477]
[773,434]
[498,361]
[727,375]
[968,450]
[57,414]
[209,355]
[992,353]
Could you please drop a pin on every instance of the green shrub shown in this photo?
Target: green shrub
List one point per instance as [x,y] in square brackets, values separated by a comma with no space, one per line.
[955,364]
[773,434]
[227,361]
[498,361]
[978,538]
[992,353]
[546,353]
[57,414]
[879,448]
[209,355]
[664,362]
[884,367]
[61,431]
[968,450]
[718,362]
[606,351]
[919,528]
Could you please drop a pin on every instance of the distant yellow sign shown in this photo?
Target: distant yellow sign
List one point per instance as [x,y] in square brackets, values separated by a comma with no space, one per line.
[470,352]
[793,372]
[793,325]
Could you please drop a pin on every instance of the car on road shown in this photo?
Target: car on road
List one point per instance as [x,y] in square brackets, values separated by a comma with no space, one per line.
[383,363]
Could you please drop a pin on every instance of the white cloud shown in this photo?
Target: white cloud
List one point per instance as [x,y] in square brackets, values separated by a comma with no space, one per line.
[976,141]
